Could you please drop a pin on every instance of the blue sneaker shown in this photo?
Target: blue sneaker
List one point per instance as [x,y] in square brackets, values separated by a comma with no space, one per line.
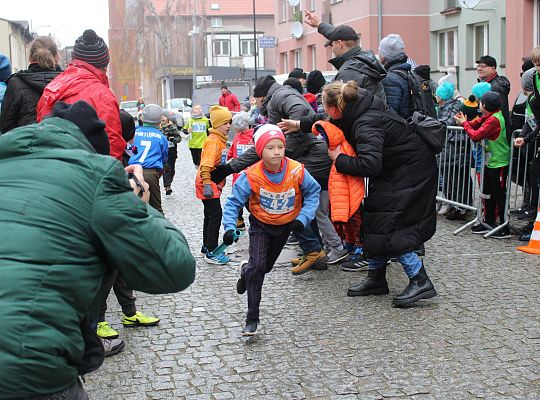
[220,259]
[349,247]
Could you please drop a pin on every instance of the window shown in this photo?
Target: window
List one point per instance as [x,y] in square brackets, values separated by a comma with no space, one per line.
[283,10]
[447,48]
[284,63]
[247,47]
[503,42]
[222,48]
[313,53]
[311,5]
[126,93]
[451,4]
[298,58]
[214,6]
[480,40]
[296,13]
[216,22]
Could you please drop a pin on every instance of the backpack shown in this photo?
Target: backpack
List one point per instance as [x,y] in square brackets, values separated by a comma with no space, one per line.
[431,130]
[421,96]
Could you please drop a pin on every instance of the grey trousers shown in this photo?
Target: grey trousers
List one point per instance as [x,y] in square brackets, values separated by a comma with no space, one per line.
[74,392]
[326,227]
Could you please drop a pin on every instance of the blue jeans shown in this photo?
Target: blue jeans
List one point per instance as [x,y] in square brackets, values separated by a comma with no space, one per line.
[308,240]
[410,261]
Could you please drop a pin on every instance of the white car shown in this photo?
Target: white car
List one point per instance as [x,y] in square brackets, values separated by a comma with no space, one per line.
[130,106]
[182,107]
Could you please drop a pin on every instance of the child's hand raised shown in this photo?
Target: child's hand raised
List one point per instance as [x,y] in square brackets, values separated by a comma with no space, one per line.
[460,118]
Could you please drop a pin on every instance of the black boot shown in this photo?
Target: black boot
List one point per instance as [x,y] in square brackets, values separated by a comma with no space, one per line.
[419,287]
[374,284]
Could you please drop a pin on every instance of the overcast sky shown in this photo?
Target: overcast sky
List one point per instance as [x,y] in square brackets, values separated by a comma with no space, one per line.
[64,19]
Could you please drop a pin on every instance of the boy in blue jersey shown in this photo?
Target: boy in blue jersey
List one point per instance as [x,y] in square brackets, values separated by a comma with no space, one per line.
[153,151]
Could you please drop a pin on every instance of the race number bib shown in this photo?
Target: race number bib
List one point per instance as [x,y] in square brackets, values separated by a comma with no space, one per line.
[277,203]
[224,156]
[242,148]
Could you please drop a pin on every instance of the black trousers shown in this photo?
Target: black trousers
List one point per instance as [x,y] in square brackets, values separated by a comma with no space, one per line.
[196,156]
[212,222]
[170,169]
[265,245]
[495,187]
[123,294]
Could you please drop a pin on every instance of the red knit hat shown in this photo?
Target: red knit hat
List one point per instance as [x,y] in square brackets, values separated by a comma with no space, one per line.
[264,134]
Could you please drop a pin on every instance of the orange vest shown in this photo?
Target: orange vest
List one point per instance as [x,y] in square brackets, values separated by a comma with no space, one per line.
[345,192]
[275,203]
[214,153]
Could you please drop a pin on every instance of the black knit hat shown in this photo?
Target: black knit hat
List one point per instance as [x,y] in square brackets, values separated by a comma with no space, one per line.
[315,81]
[423,71]
[85,117]
[295,84]
[128,125]
[491,101]
[263,85]
[91,48]
[297,73]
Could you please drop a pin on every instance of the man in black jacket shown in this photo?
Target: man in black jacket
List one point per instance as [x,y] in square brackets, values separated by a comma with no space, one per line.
[352,63]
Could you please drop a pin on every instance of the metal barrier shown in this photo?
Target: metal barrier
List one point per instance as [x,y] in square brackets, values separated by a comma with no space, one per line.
[461,174]
[461,167]
[522,186]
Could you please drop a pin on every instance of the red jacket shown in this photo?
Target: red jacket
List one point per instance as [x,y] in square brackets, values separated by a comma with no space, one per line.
[230,101]
[485,127]
[242,141]
[82,81]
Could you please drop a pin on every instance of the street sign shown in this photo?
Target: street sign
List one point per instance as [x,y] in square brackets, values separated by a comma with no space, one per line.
[267,42]
[204,79]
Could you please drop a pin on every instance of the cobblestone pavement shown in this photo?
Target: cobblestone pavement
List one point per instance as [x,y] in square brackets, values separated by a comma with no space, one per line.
[480,338]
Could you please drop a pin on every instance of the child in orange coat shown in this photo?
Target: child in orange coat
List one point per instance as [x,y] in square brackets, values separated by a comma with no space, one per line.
[214,152]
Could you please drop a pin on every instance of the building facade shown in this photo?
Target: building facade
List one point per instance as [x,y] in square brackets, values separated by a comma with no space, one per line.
[15,41]
[372,19]
[158,47]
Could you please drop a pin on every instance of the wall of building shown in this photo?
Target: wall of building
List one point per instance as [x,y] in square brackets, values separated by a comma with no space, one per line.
[410,19]
[15,44]
[464,22]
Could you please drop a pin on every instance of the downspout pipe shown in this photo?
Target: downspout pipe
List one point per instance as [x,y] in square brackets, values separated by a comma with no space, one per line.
[379,18]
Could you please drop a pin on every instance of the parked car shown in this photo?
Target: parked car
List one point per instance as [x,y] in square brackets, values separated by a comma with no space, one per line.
[130,106]
[182,107]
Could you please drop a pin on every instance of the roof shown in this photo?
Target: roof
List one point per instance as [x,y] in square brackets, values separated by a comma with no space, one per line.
[226,7]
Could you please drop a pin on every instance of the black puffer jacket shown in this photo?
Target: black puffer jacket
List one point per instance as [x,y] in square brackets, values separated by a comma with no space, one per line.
[400,205]
[285,102]
[22,95]
[363,68]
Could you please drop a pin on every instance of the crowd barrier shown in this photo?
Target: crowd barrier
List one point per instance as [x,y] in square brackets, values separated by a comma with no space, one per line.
[461,166]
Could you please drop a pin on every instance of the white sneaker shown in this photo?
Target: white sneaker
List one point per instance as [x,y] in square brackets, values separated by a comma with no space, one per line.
[112,346]
[444,209]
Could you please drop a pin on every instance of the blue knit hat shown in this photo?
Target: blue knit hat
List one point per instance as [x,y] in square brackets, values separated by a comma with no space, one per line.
[5,68]
[480,89]
[445,91]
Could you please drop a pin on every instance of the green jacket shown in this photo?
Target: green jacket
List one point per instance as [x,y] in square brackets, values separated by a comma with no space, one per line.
[199,128]
[66,214]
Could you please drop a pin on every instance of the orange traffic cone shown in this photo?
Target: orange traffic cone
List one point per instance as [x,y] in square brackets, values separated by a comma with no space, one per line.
[534,244]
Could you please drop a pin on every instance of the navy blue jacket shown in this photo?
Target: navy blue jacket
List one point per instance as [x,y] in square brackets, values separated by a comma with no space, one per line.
[396,87]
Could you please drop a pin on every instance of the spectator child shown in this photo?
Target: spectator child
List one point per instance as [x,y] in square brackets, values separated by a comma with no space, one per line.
[197,127]
[214,153]
[242,141]
[491,126]
[152,152]
[282,196]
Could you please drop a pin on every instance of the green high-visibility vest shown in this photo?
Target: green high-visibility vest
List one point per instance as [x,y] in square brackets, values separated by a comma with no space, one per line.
[499,149]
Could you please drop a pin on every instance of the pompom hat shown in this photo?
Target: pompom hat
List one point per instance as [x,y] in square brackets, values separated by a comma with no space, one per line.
[264,134]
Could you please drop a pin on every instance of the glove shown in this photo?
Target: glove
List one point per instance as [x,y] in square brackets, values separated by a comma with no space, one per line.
[297,226]
[228,237]
[207,191]
[221,172]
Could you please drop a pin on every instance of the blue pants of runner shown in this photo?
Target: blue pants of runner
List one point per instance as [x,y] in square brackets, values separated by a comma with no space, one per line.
[410,261]
[309,240]
[265,245]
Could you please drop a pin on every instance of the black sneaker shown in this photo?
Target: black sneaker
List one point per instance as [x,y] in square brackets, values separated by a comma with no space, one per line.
[503,233]
[456,215]
[358,264]
[168,191]
[479,229]
[241,283]
[527,216]
[204,249]
[250,329]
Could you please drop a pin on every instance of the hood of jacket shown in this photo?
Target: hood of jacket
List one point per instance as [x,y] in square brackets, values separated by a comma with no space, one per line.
[73,81]
[399,63]
[371,66]
[36,77]
[52,133]
[264,108]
